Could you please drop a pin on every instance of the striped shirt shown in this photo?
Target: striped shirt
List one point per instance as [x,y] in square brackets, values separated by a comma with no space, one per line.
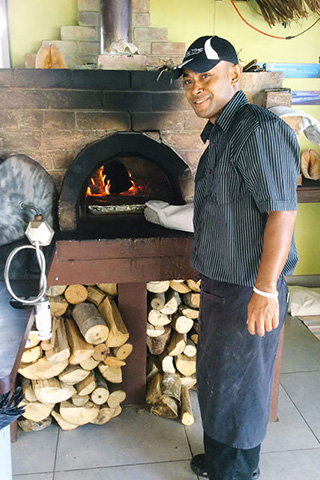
[250,167]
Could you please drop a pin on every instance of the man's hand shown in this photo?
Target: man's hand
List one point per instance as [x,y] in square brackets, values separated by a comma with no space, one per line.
[263,314]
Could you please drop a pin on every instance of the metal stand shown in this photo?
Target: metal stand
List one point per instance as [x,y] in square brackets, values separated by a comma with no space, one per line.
[5,454]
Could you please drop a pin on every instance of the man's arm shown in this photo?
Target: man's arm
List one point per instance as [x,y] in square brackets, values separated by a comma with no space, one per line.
[263,312]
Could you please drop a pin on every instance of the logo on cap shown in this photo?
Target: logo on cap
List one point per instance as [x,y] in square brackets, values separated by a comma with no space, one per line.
[209,51]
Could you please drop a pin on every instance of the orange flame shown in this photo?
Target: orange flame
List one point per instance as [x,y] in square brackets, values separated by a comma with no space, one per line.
[100,187]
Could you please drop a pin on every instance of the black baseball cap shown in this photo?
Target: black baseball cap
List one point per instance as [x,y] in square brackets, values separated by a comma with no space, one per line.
[205,53]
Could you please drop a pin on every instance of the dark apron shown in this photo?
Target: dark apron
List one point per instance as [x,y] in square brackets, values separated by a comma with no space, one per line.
[234,369]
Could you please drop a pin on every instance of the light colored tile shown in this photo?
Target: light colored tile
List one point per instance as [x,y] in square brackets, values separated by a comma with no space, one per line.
[34,452]
[294,465]
[290,432]
[34,476]
[151,471]
[304,391]
[195,432]
[135,437]
[301,350]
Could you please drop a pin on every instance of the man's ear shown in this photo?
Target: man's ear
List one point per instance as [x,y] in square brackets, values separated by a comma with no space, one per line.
[236,72]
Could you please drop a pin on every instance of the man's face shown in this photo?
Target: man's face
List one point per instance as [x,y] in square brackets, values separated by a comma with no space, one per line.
[208,93]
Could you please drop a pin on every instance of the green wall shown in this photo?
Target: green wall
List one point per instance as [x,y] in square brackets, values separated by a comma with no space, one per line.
[32,21]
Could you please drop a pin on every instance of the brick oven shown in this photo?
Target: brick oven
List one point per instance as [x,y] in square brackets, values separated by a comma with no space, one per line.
[72,122]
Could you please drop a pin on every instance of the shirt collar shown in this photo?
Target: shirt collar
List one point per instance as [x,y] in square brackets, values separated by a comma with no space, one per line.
[227,115]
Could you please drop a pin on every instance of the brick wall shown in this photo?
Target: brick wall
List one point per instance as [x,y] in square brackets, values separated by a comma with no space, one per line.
[51,115]
[80,44]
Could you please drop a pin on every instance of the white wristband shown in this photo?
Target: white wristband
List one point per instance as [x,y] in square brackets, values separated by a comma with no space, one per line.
[265,294]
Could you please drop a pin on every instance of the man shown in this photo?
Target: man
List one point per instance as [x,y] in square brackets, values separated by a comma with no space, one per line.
[244,214]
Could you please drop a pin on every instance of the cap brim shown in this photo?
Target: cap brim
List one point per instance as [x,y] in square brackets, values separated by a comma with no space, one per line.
[195,66]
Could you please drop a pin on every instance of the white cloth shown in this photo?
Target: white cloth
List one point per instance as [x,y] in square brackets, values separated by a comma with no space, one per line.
[176,217]
[304,300]
[309,125]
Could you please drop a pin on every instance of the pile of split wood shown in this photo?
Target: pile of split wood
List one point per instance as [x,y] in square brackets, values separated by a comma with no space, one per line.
[172,343]
[76,377]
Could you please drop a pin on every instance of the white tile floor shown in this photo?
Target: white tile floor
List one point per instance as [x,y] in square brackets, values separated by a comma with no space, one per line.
[140,446]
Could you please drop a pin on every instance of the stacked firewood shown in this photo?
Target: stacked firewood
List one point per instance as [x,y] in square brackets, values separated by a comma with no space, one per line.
[173,310]
[75,377]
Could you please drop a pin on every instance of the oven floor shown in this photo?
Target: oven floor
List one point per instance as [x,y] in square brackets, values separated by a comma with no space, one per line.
[140,446]
[119,226]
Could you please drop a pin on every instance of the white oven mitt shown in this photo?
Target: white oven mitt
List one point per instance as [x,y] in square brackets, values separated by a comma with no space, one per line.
[176,217]
[309,125]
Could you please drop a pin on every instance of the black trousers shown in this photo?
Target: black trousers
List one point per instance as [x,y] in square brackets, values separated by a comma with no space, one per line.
[229,463]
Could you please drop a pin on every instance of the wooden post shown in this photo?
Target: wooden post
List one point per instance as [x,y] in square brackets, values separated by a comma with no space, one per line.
[132,303]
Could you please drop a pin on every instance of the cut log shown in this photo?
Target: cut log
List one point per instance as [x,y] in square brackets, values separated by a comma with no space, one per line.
[73,374]
[181,323]
[167,364]
[30,355]
[105,414]
[76,294]
[95,295]
[63,424]
[30,426]
[42,369]
[189,382]
[33,340]
[37,411]
[185,365]
[171,385]
[189,312]
[118,334]
[195,286]
[177,343]
[101,351]
[109,288]
[113,361]
[179,286]
[80,349]
[86,386]
[123,351]
[158,287]
[90,323]
[111,374]
[46,344]
[194,336]
[157,345]
[168,408]
[191,349]
[60,350]
[58,306]
[55,290]
[78,415]
[117,411]
[192,299]
[172,302]
[101,393]
[157,300]
[116,397]
[154,390]
[155,331]
[52,390]
[157,318]
[89,364]
[187,417]
[79,401]
[153,367]
[28,390]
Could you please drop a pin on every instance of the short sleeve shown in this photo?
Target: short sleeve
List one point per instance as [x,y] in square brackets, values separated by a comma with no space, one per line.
[269,163]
